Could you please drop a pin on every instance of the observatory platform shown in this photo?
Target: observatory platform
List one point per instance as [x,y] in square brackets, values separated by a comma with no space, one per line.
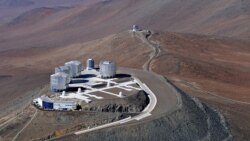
[72,86]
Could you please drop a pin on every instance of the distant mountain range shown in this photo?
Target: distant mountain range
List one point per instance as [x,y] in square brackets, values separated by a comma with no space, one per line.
[16,2]
[37,3]
[56,27]
[10,9]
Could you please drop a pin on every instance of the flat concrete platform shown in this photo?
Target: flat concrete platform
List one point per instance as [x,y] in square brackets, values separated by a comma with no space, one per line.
[104,95]
[90,87]
[123,91]
[165,93]
[168,100]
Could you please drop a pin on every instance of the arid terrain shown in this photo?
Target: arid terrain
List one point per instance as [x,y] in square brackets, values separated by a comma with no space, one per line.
[204,47]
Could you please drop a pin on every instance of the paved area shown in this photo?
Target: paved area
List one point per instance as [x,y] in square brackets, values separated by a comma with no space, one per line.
[167,97]
[163,98]
[111,87]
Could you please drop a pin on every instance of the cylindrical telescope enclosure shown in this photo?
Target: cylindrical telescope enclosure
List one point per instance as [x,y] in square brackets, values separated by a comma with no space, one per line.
[59,81]
[90,64]
[64,69]
[75,68]
[107,69]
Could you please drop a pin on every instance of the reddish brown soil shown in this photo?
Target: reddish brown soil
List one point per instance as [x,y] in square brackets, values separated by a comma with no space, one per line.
[216,70]
[217,65]
[55,28]
[30,68]
[205,66]
[192,62]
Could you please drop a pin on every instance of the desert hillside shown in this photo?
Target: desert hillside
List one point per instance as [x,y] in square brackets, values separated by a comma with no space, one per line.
[81,23]
[194,63]
[203,48]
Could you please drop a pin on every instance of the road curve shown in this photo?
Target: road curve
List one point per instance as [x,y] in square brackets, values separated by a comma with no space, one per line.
[144,114]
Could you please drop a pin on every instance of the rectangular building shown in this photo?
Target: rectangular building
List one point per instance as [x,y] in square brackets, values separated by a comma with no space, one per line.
[64,105]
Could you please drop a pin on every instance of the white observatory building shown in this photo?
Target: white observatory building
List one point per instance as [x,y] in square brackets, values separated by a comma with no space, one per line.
[75,68]
[90,64]
[107,69]
[135,28]
[64,69]
[59,81]
[50,104]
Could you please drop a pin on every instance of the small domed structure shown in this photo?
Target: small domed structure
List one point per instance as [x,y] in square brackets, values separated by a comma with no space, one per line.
[90,64]
[135,28]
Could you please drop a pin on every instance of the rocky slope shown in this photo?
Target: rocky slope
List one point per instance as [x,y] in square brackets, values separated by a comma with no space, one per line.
[192,120]
[132,104]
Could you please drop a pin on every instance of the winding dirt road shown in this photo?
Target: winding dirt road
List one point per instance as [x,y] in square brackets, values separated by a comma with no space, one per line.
[27,124]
